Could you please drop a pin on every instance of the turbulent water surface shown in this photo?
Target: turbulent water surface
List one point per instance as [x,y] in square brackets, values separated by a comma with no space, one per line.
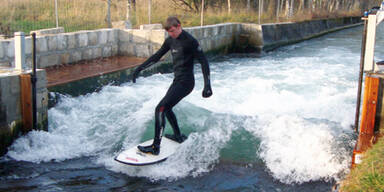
[281,122]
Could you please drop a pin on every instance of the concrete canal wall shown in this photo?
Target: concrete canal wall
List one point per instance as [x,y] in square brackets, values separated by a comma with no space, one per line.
[11,118]
[63,48]
[67,48]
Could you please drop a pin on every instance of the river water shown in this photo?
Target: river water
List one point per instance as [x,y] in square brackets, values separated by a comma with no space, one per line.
[281,122]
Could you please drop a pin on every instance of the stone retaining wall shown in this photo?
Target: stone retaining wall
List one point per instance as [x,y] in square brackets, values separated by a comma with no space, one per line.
[68,48]
[10,107]
[64,48]
[279,34]
[144,43]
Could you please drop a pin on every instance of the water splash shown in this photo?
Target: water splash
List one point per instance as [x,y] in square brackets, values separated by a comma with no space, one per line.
[297,103]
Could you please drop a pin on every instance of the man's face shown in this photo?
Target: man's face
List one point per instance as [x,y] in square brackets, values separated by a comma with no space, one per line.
[174,32]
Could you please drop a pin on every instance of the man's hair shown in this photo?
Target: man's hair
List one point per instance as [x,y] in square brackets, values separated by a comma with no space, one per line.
[172,21]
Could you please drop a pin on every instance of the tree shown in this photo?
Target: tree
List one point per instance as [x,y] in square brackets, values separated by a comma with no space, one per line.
[189,5]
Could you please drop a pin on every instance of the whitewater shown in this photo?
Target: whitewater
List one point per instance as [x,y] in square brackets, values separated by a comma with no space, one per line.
[288,114]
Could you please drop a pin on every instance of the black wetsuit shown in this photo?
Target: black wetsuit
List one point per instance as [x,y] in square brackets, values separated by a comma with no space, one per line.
[184,49]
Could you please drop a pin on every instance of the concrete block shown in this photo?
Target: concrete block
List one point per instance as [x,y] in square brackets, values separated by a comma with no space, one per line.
[52,43]
[228,29]
[65,58]
[154,48]
[125,35]
[48,61]
[1,50]
[14,107]
[41,79]
[140,36]
[113,34]
[107,51]
[28,46]
[75,56]
[87,54]
[151,26]
[238,28]
[5,64]
[221,29]
[14,83]
[10,47]
[41,44]
[157,36]
[93,38]
[44,101]
[4,87]
[215,31]
[103,37]
[143,50]
[28,62]
[61,42]
[188,30]
[82,38]
[197,33]
[115,49]
[49,31]
[127,48]
[96,52]
[204,45]
[41,99]
[211,44]
[71,40]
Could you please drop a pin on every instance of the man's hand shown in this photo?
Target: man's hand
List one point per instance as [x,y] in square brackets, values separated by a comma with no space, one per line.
[207,92]
[135,74]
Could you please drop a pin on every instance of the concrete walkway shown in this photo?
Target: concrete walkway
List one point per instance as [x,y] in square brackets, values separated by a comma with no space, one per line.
[74,72]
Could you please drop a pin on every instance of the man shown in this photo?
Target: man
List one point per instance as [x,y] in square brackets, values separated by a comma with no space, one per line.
[184,48]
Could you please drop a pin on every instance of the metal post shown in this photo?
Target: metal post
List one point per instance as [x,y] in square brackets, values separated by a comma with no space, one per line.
[277,10]
[202,13]
[128,10]
[57,15]
[149,11]
[361,72]
[20,51]
[109,14]
[34,80]
[259,10]
[229,6]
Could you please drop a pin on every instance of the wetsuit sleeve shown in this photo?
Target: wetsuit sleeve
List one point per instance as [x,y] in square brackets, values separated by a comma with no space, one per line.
[199,54]
[155,57]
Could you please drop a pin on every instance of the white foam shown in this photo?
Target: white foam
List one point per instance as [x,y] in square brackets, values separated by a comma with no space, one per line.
[298,101]
[296,150]
[196,155]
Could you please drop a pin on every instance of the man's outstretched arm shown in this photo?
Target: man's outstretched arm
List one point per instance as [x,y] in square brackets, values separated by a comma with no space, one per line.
[151,60]
[199,54]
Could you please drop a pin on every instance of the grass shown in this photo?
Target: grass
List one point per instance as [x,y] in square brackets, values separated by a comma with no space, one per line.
[369,175]
[74,15]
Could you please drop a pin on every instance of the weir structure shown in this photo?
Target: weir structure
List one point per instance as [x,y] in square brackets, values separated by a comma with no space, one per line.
[372,113]
[82,62]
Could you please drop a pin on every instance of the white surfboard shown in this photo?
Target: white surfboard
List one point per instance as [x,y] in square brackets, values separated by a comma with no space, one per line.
[134,156]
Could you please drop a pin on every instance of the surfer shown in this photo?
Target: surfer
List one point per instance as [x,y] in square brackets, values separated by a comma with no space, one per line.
[184,49]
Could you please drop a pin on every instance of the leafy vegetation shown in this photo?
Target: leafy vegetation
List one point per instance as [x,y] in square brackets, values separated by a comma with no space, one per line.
[369,175]
[73,15]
